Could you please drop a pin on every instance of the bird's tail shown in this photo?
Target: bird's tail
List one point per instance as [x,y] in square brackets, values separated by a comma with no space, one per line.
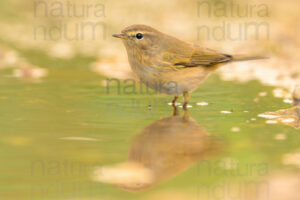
[245,58]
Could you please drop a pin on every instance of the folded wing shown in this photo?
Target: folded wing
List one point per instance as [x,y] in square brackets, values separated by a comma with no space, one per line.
[196,57]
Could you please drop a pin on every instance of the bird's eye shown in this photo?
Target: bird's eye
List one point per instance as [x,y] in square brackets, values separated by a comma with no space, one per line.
[139,36]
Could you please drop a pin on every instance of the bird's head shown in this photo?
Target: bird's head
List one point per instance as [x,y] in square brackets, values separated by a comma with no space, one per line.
[140,37]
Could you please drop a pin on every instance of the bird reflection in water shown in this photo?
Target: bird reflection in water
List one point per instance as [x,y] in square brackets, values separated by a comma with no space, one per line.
[290,116]
[160,151]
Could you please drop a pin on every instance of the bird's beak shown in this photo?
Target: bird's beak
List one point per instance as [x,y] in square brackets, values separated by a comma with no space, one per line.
[121,35]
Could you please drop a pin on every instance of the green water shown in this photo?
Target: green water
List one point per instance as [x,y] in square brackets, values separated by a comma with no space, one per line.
[41,160]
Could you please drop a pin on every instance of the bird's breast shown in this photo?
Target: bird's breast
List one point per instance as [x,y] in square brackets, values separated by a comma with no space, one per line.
[142,64]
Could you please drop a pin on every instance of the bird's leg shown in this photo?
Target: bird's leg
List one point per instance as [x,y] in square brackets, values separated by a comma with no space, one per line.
[175,111]
[186,98]
[174,101]
[186,115]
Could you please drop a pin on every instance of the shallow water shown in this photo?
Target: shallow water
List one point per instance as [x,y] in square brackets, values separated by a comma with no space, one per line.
[61,134]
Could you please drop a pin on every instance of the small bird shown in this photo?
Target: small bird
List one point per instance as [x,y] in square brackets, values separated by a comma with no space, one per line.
[169,65]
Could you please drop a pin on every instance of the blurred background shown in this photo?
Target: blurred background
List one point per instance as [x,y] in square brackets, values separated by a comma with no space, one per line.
[66,134]
[68,29]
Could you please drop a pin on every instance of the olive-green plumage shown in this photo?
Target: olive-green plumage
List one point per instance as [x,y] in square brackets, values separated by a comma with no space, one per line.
[169,65]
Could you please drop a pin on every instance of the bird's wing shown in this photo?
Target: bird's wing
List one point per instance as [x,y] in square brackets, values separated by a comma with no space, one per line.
[198,56]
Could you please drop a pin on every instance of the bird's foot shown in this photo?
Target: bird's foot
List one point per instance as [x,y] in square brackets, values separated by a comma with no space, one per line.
[174,101]
[185,104]
[186,98]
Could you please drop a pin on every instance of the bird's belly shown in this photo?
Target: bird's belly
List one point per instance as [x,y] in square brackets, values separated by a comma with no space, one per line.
[186,80]
[171,82]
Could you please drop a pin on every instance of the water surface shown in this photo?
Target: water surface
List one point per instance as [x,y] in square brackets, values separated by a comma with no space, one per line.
[56,132]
